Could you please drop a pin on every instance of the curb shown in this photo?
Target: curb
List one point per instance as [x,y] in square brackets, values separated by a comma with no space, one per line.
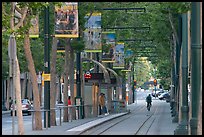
[108,119]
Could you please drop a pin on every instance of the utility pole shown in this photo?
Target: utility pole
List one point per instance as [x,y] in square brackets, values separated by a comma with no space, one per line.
[182,128]
[78,98]
[46,67]
[176,95]
[12,74]
[196,65]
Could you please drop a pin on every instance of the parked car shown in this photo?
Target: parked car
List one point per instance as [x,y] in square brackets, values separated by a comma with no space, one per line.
[158,92]
[164,96]
[26,105]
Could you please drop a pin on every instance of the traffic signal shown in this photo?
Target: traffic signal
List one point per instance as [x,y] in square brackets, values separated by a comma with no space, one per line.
[135,84]
[155,82]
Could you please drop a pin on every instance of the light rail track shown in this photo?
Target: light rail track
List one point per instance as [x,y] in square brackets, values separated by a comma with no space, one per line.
[143,128]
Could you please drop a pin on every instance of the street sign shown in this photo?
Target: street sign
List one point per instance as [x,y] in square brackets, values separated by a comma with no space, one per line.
[93,76]
[46,77]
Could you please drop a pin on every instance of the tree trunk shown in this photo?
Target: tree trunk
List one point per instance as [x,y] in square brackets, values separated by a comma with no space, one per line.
[8,93]
[66,70]
[18,99]
[31,68]
[53,83]
[173,27]
[24,86]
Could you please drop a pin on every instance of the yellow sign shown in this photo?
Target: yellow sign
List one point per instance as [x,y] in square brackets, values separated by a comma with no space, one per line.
[46,77]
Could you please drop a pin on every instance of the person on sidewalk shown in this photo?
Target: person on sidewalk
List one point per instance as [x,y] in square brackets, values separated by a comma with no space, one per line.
[69,109]
[69,100]
[10,103]
[102,107]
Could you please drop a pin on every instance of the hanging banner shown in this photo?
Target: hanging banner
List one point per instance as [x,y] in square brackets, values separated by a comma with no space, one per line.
[119,56]
[66,20]
[92,33]
[34,30]
[128,53]
[60,46]
[108,45]
[127,67]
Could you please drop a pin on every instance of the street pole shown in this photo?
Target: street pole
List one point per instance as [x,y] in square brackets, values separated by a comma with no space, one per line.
[133,86]
[182,128]
[46,67]
[12,74]
[178,47]
[196,65]
[78,98]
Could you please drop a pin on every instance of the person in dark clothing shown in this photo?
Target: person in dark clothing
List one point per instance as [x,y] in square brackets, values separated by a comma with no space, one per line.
[149,100]
[10,103]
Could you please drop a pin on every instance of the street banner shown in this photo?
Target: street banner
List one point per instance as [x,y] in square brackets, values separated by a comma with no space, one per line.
[60,46]
[127,67]
[92,33]
[128,53]
[119,56]
[108,45]
[34,30]
[66,20]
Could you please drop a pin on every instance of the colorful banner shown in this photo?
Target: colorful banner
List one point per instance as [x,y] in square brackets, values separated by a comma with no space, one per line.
[128,53]
[34,30]
[127,67]
[92,33]
[119,56]
[66,20]
[60,46]
[108,46]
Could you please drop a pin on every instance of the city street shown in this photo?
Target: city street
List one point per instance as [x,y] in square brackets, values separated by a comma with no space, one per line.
[102,68]
[139,121]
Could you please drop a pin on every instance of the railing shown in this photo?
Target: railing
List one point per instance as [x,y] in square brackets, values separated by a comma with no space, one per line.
[87,111]
[118,106]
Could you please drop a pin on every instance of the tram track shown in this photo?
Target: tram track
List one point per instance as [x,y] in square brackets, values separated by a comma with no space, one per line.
[100,129]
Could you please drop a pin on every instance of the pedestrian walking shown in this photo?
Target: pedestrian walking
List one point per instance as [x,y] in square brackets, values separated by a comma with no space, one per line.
[10,103]
[69,100]
[69,109]
[102,107]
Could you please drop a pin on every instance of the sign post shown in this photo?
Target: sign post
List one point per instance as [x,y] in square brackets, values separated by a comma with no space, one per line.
[155,84]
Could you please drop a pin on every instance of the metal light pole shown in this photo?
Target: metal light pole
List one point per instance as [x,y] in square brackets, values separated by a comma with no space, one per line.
[196,65]
[46,66]
[78,98]
[133,86]
[178,47]
[182,128]
[12,74]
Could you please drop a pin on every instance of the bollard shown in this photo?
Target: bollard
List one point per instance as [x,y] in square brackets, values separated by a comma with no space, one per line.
[33,120]
[46,119]
[60,117]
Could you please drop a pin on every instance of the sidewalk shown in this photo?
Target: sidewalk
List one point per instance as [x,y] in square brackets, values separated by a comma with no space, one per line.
[74,127]
[68,128]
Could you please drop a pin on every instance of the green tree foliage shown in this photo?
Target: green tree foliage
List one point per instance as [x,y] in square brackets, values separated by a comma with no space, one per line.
[156,16]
